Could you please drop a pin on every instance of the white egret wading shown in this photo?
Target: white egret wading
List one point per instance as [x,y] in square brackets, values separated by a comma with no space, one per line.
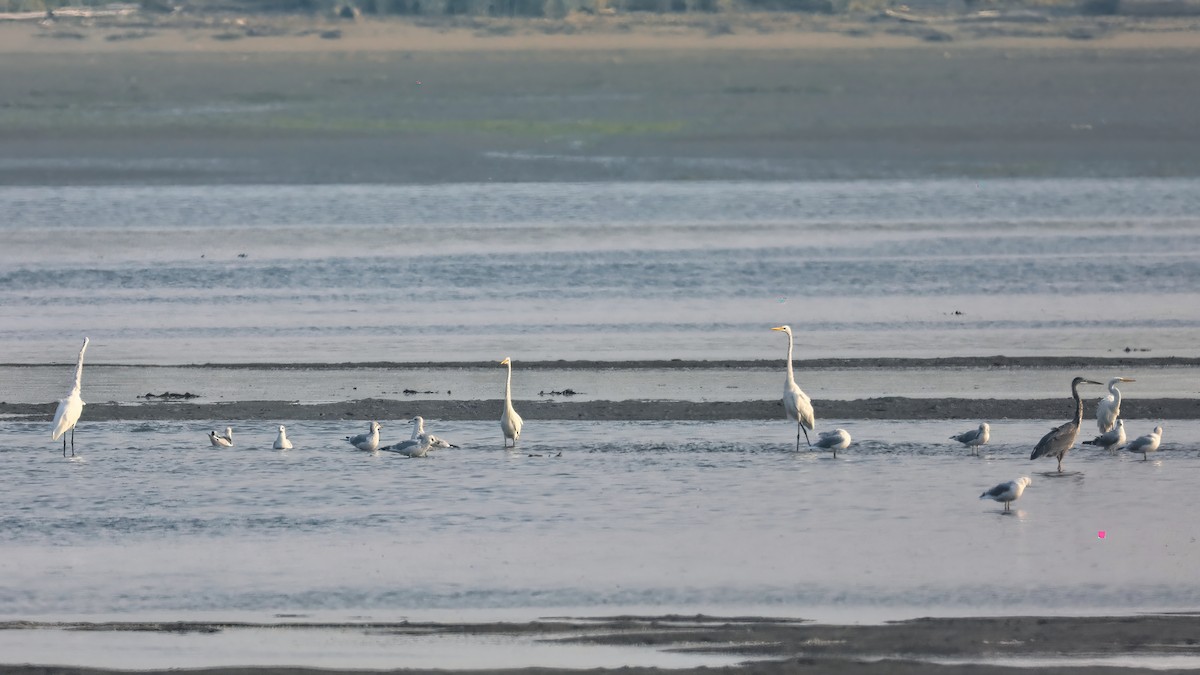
[70,408]
[225,441]
[1109,407]
[795,401]
[510,421]
[368,441]
[281,441]
[1147,443]
[1007,492]
[1059,441]
[1111,439]
[838,439]
[418,423]
[975,437]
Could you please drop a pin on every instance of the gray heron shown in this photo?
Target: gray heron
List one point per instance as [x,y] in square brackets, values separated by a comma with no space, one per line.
[1059,441]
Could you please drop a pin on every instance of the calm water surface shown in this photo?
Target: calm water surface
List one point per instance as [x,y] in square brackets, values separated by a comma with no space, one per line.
[150,521]
[599,271]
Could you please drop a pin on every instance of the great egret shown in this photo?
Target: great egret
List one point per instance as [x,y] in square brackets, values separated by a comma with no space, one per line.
[795,401]
[1147,443]
[221,441]
[1111,439]
[70,408]
[281,441]
[975,437]
[434,441]
[838,439]
[1007,492]
[413,447]
[1059,441]
[368,441]
[510,421]
[1109,407]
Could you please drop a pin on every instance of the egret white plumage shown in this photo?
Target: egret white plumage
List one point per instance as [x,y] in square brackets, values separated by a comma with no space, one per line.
[975,437]
[281,441]
[1111,439]
[413,447]
[795,401]
[838,439]
[1007,492]
[418,423]
[510,421]
[1059,441]
[1147,443]
[368,441]
[1109,407]
[220,441]
[70,408]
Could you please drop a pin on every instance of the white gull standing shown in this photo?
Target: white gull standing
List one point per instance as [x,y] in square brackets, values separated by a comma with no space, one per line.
[838,439]
[975,437]
[1147,443]
[1007,492]
[368,441]
[1111,439]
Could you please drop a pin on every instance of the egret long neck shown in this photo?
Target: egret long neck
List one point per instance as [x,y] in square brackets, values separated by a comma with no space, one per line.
[508,388]
[1116,393]
[790,376]
[79,368]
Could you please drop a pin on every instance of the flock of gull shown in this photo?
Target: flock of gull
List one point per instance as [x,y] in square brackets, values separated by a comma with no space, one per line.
[1057,443]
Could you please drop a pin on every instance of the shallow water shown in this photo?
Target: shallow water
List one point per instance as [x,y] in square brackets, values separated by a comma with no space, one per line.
[613,271]
[149,521]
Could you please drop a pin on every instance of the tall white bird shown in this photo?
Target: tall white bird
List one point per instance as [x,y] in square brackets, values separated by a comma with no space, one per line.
[510,421]
[1111,439]
[368,441]
[418,423]
[975,437]
[1147,443]
[1109,407]
[70,408]
[1061,439]
[795,401]
[838,439]
[1007,492]
[281,441]
[413,447]
[224,441]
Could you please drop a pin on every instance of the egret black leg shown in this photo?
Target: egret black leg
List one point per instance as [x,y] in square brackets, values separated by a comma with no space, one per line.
[805,436]
[64,446]
[72,441]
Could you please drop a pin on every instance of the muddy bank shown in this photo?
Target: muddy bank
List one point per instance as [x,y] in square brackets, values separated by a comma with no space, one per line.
[780,646]
[384,409]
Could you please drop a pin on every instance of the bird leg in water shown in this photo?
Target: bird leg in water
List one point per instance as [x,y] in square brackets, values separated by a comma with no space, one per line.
[72,441]
[799,428]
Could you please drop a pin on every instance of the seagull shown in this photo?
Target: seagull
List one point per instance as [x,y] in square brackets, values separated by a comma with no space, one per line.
[70,408]
[838,439]
[1007,492]
[1109,407]
[975,437]
[1147,443]
[418,423]
[795,401]
[510,421]
[413,447]
[1059,441]
[1111,439]
[281,441]
[221,441]
[368,441]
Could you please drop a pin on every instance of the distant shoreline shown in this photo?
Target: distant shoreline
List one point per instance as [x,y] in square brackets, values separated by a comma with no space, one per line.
[769,645]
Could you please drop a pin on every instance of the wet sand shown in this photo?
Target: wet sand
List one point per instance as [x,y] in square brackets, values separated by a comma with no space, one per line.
[760,98]
[772,646]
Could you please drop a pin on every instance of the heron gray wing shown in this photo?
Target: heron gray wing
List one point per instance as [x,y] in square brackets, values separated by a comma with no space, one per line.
[1051,443]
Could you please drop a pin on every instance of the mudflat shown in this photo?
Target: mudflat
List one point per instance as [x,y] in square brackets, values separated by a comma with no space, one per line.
[232,99]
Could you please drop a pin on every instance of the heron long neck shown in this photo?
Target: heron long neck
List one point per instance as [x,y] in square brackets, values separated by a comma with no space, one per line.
[1078,404]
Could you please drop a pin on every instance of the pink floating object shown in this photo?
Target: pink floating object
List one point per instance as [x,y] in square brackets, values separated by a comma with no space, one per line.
[1101,534]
